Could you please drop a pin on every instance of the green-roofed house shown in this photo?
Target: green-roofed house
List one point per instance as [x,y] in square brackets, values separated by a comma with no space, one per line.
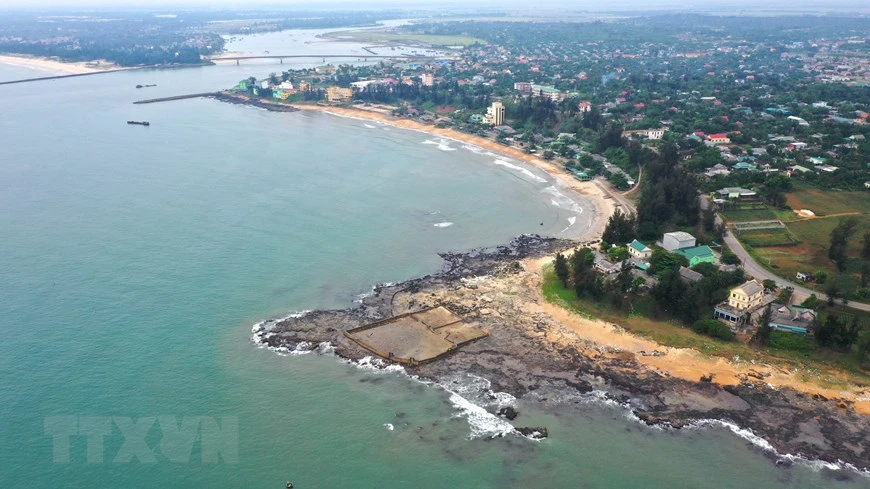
[697,254]
[639,250]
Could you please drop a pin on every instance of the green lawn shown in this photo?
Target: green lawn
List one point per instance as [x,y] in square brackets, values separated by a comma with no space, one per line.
[749,214]
[767,237]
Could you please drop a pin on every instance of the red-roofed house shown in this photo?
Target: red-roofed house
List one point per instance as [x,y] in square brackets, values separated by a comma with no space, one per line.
[720,138]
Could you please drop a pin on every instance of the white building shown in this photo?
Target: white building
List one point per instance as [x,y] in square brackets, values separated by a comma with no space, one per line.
[428,80]
[495,114]
[677,241]
[655,133]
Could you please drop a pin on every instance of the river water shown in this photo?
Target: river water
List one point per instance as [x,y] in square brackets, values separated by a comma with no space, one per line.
[136,260]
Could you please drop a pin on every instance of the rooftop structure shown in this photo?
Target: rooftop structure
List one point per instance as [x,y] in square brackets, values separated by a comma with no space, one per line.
[677,240]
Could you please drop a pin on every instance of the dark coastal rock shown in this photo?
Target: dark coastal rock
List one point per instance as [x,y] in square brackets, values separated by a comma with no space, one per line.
[517,359]
[533,433]
[508,412]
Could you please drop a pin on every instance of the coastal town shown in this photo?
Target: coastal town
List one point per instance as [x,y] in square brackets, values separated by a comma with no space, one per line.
[753,124]
[693,189]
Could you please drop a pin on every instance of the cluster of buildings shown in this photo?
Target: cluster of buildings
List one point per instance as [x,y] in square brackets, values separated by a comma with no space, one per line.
[745,303]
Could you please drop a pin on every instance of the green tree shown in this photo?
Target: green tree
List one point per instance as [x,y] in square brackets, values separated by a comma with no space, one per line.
[562,270]
[620,228]
[865,251]
[762,334]
[864,352]
[769,285]
[662,261]
[835,333]
[839,249]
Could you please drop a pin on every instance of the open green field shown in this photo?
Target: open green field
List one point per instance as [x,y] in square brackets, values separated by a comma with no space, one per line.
[767,237]
[375,36]
[813,235]
[749,214]
[827,202]
[824,367]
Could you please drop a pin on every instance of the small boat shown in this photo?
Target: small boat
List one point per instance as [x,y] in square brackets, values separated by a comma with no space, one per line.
[139,123]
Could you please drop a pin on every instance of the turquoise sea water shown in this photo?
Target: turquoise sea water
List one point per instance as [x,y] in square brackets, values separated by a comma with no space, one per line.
[135,261]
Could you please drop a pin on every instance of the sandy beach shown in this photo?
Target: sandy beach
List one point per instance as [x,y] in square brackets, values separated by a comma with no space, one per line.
[577,332]
[53,66]
[602,201]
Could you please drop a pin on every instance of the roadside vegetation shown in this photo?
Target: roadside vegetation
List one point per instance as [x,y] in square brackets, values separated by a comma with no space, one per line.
[824,366]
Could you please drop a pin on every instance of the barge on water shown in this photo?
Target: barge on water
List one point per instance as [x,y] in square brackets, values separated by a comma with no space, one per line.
[139,123]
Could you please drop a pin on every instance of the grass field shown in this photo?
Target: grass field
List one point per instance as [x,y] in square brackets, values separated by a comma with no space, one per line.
[813,234]
[827,202]
[744,215]
[767,237]
[825,367]
[405,37]
[812,252]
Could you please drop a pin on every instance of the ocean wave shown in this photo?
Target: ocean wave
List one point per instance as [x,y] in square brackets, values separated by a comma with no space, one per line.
[562,201]
[524,171]
[361,297]
[441,143]
[473,398]
[478,150]
[262,331]
[370,126]
[764,445]
[571,221]
[443,224]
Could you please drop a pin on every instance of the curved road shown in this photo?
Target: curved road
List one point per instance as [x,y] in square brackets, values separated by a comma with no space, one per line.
[756,270]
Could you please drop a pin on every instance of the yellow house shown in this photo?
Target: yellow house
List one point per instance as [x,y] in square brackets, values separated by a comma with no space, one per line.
[336,94]
[747,296]
[304,86]
[719,138]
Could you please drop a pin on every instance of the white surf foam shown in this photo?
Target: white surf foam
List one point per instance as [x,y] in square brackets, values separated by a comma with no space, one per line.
[370,126]
[475,149]
[764,445]
[571,221]
[524,171]
[441,143]
[562,201]
[443,224]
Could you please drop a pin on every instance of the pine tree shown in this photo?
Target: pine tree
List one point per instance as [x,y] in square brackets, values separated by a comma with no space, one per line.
[762,334]
[562,269]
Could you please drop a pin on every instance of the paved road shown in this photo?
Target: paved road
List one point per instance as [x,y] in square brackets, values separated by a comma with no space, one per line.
[758,271]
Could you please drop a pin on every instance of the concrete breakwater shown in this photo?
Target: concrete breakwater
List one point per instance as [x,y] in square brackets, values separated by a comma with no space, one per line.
[228,98]
[175,97]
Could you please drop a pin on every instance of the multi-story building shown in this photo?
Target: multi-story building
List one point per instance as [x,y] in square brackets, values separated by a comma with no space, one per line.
[428,80]
[495,114]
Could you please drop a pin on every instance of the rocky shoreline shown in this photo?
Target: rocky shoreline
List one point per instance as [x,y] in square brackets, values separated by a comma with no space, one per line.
[521,358]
